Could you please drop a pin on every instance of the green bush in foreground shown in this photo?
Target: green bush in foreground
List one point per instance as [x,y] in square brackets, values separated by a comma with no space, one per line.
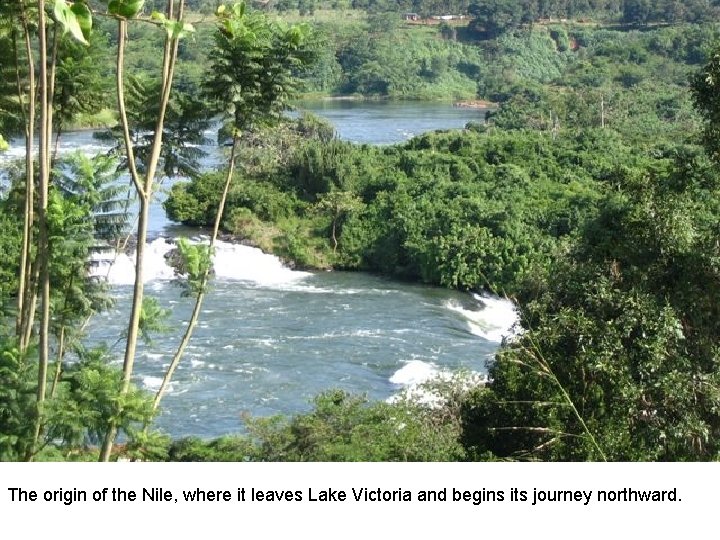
[341,427]
[620,357]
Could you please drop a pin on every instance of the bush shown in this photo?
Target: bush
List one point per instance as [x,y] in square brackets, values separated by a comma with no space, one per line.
[341,427]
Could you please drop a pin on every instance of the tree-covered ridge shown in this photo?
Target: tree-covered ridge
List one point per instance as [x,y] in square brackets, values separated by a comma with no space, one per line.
[497,16]
[378,54]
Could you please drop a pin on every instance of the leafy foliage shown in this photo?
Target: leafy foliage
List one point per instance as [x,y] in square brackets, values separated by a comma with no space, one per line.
[153,319]
[253,66]
[17,402]
[464,209]
[84,400]
[628,336]
[195,262]
[341,427]
[186,121]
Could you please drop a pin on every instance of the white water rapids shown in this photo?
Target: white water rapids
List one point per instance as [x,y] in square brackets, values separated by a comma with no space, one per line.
[269,338]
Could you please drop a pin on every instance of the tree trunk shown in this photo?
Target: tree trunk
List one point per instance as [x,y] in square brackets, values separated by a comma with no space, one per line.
[201,293]
[58,363]
[144,193]
[334,235]
[43,255]
[30,303]
[29,180]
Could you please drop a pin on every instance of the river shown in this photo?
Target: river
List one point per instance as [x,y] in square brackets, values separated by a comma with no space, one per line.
[270,338]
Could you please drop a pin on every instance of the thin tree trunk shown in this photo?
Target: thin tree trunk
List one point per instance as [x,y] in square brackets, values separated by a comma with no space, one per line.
[145,194]
[43,255]
[134,320]
[133,323]
[334,236]
[201,293]
[30,303]
[28,156]
[61,346]
[23,285]
[51,99]
[56,147]
[58,363]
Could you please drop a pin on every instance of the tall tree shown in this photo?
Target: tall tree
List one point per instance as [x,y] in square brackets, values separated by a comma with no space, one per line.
[252,77]
[144,182]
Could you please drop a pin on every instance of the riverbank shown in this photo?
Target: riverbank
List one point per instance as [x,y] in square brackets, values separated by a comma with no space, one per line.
[478,104]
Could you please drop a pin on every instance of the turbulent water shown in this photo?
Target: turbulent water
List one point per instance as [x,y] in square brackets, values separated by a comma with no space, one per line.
[270,338]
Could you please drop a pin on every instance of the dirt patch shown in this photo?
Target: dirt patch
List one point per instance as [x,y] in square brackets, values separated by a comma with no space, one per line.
[475,104]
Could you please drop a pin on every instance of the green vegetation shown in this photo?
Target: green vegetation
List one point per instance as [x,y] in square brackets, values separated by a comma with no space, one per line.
[619,357]
[589,170]
[341,427]
[466,210]
[71,395]
[599,165]
[398,62]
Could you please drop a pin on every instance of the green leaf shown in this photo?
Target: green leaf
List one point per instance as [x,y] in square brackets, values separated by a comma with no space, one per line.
[126,9]
[177,29]
[3,144]
[84,17]
[195,263]
[68,20]
[239,9]
[153,318]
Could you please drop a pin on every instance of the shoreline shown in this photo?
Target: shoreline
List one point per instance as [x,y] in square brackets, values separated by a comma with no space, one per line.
[478,104]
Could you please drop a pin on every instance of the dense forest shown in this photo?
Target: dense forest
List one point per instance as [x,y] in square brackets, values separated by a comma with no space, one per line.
[588,195]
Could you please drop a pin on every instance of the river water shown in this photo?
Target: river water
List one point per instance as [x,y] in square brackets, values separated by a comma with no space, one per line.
[270,338]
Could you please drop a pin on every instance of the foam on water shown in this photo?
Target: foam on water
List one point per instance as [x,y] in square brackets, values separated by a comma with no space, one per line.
[245,263]
[231,262]
[299,286]
[491,317]
[414,372]
[152,383]
[416,378]
[120,269]
[68,143]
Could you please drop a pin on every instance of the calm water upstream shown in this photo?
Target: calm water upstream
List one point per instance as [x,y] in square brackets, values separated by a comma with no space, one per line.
[389,122]
[270,338]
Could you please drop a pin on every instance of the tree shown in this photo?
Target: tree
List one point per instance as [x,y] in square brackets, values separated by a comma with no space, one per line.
[186,119]
[61,224]
[707,101]
[618,359]
[251,81]
[87,215]
[26,97]
[338,204]
[80,87]
[637,11]
[144,182]
[57,21]
[494,17]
